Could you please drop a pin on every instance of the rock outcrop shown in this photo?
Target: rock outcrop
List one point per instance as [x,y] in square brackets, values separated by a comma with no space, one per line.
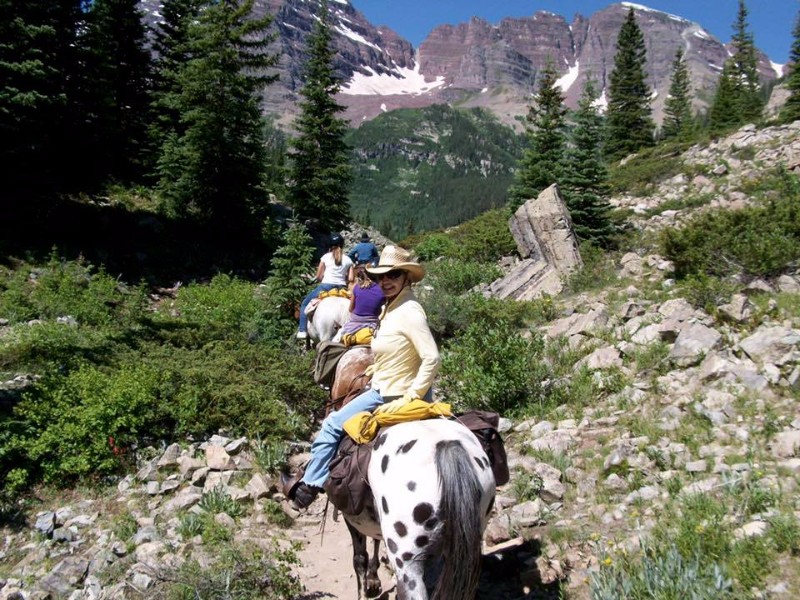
[546,242]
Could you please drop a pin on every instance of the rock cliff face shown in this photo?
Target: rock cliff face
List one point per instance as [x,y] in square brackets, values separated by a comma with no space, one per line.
[481,64]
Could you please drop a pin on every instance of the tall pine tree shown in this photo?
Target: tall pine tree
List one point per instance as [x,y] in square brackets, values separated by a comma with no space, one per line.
[171,49]
[545,123]
[584,181]
[213,170]
[724,111]
[678,119]
[791,110]
[738,97]
[320,171]
[745,68]
[629,125]
[115,89]
[37,63]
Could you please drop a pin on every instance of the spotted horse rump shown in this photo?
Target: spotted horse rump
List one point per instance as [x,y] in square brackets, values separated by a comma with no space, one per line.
[433,488]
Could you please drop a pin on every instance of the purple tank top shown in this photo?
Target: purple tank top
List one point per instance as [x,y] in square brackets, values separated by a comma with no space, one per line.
[368,301]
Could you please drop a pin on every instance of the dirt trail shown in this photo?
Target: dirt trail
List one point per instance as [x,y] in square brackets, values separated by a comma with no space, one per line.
[327,565]
[327,558]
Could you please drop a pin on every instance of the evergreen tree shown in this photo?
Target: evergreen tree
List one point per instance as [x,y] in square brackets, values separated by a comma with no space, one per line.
[286,285]
[320,169]
[678,107]
[738,98]
[724,110]
[628,120]
[745,69]
[171,48]
[37,61]
[115,90]
[213,170]
[545,123]
[791,110]
[584,182]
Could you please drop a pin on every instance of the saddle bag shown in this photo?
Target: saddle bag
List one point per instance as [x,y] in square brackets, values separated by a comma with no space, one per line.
[328,355]
[347,486]
[484,425]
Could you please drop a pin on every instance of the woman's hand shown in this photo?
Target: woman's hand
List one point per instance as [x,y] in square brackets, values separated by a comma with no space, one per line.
[396,405]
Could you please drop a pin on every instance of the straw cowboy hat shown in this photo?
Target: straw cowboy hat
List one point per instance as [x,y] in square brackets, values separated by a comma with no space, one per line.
[394,258]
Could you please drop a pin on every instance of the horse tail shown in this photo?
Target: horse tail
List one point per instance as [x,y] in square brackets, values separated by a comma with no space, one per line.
[460,513]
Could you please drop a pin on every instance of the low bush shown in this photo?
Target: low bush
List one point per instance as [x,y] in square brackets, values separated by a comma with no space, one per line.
[456,277]
[756,241]
[599,270]
[661,574]
[486,238]
[237,571]
[647,168]
[493,367]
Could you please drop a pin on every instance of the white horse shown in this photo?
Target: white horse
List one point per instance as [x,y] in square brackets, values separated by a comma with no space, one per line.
[330,314]
[433,489]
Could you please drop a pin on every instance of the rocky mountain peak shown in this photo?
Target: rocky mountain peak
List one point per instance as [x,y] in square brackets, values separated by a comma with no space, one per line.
[480,64]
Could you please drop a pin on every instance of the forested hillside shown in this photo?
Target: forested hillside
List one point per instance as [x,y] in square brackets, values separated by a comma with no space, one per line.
[418,170]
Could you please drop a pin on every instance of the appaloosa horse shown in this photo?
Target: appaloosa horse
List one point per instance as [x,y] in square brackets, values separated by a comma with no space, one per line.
[432,487]
[330,314]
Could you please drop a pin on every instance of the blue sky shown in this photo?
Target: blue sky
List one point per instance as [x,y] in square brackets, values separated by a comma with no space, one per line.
[771,21]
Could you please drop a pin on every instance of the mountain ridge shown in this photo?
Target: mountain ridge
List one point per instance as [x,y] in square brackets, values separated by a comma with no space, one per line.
[477,64]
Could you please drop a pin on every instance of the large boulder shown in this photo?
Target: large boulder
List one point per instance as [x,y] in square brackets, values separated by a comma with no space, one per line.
[546,241]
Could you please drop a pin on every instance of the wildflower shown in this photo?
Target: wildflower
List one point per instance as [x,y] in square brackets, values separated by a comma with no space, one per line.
[607,561]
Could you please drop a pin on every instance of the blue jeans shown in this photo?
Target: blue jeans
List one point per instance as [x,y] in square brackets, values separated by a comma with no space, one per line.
[322,287]
[324,447]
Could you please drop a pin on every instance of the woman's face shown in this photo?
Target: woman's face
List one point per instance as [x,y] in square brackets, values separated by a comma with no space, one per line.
[392,282]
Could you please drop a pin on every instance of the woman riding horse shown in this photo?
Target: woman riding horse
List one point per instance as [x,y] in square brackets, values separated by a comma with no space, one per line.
[406,362]
[335,271]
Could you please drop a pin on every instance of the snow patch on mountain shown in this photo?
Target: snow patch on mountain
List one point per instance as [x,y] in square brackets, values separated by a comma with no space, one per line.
[567,79]
[408,81]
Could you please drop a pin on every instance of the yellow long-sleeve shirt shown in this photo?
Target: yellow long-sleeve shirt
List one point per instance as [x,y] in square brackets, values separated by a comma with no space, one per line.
[406,356]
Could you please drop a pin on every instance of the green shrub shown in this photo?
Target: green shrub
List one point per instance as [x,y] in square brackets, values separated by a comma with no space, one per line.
[83,424]
[661,573]
[449,315]
[434,245]
[486,238]
[237,572]
[705,292]
[219,501]
[756,241]
[63,288]
[599,270]
[456,277]
[225,306]
[647,168]
[492,367]
[526,486]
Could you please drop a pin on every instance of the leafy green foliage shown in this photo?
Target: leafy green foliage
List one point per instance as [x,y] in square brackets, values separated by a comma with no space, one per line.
[493,367]
[760,240]
[484,238]
[218,501]
[238,572]
[629,124]
[456,277]
[645,170]
[545,124]
[419,170]
[320,169]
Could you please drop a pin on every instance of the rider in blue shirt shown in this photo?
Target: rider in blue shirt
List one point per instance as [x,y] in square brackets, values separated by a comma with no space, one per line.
[364,252]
